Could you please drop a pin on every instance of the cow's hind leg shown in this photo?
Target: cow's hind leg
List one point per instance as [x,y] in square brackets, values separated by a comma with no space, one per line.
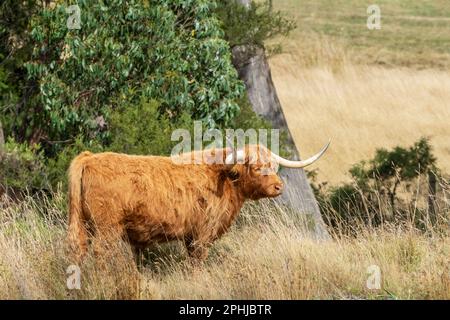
[77,242]
[115,261]
[109,242]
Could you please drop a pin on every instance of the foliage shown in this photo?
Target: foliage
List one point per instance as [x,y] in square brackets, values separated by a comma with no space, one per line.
[135,129]
[375,184]
[142,130]
[22,167]
[252,25]
[169,51]
[15,49]
[133,73]
[400,163]
[58,166]
[389,168]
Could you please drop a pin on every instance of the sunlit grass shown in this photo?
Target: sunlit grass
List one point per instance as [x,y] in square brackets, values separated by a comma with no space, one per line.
[365,89]
[265,256]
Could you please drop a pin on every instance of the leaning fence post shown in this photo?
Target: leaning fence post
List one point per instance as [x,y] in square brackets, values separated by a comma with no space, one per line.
[432,182]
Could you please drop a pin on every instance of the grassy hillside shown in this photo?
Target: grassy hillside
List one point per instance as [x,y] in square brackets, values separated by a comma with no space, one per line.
[365,89]
[413,33]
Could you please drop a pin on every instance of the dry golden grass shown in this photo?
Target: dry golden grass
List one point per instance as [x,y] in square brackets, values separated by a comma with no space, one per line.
[325,92]
[265,256]
[337,79]
[363,108]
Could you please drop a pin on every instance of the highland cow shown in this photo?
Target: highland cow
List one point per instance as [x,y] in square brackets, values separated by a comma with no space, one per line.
[149,199]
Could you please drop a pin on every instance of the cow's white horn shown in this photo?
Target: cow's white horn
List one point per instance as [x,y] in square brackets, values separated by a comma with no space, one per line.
[300,164]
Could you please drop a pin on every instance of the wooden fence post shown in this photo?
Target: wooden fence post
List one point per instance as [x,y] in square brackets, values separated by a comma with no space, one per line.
[432,183]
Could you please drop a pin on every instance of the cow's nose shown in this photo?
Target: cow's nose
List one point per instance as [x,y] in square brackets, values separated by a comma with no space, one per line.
[279,187]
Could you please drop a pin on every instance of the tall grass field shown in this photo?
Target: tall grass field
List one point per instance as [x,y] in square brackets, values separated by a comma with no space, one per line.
[265,256]
[335,78]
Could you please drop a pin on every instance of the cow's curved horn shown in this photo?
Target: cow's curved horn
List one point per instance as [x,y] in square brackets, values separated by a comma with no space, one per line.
[300,164]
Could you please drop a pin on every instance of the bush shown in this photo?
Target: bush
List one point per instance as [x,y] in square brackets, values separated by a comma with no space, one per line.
[388,169]
[134,129]
[253,25]
[22,167]
[172,51]
[142,129]
[58,166]
[93,88]
[372,196]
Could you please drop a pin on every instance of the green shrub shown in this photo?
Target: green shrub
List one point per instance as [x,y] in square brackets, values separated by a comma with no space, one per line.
[142,129]
[92,88]
[372,196]
[389,168]
[22,167]
[58,166]
[139,128]
[172,51]
[134,129]
[345,199]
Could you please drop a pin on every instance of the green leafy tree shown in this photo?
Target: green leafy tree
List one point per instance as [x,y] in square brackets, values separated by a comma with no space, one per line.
[134,72]
[15,50]
[171,51]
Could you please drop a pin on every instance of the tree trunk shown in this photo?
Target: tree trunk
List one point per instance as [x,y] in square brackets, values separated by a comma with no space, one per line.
[254,70]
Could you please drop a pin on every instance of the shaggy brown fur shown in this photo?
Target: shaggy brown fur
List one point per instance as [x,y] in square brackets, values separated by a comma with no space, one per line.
[148,199]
